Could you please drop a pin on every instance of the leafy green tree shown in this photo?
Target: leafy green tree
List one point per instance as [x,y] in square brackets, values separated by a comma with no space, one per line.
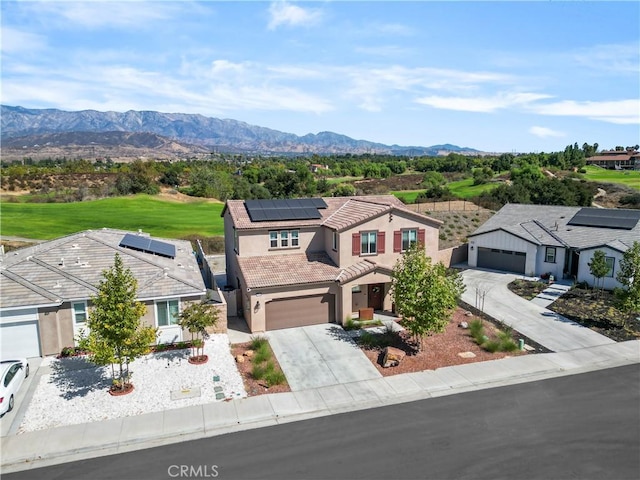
[344,190]
[425,294]
[116,335]
[196,318]
[433,179]
[598,267]
[629,276]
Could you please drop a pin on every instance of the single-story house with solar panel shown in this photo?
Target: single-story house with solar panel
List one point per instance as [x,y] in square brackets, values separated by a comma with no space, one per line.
[317,260]
[46,288]
[539,239]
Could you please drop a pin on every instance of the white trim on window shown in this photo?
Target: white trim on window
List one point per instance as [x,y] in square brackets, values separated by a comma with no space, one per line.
[550,255]
[79,313]
[284,238]
[409,237]
[611,263]
[368,243]
[167,313]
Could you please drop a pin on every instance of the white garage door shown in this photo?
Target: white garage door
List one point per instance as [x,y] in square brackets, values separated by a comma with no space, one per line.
[19,334]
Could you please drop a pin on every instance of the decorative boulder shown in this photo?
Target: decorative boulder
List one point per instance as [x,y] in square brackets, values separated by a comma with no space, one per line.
[464,325]
[239,358]
[468,313]
[392,357]
[249,353]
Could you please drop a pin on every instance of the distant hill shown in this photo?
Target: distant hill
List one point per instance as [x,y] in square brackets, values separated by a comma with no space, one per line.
[189,131]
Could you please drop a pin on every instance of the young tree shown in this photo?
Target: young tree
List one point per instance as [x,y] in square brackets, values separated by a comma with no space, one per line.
[598,267]
[425,294]
[116,335]
[196,318]
[629,276]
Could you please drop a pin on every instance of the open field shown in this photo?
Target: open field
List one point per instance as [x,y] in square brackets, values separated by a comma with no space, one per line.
[628,178]
[162,218]
[407,196]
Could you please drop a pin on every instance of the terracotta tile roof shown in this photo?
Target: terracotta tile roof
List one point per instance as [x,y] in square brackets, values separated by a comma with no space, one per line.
[341,212]
[357,270]
[294,269]
[622,157]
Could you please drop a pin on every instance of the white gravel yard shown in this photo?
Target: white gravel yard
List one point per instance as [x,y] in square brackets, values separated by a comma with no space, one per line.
[76,391]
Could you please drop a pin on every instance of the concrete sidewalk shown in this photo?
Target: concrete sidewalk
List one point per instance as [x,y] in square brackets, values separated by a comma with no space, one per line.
[540,324]
[76,442]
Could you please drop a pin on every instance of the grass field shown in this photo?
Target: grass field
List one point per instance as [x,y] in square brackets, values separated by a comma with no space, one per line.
[337,180]
[628,178]
[466,189]
[160,218]
[407,196]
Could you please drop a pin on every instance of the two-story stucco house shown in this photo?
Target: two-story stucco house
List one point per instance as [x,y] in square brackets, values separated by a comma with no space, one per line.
[316,260]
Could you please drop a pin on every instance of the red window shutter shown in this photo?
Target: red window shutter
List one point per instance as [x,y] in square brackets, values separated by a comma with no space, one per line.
[397,241]
[421,236]
[355,244]
[380,242]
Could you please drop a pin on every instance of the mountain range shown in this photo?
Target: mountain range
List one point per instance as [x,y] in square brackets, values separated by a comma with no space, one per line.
[25,128]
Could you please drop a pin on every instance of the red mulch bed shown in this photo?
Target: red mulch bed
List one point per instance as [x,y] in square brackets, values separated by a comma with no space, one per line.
[441,350]
[251,385]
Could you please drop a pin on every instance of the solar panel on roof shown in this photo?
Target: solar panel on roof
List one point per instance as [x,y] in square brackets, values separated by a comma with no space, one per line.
[609,218]
[284,209]
[148,245]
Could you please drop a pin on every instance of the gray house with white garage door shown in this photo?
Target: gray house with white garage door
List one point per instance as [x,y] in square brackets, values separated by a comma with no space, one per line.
[557,240]
[46,289]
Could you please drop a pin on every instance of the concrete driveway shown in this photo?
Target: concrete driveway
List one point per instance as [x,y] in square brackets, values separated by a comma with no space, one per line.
[319,356]
[540,324]
[10,421]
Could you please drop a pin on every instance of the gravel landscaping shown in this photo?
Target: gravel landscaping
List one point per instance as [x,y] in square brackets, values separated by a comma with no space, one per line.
[76,391]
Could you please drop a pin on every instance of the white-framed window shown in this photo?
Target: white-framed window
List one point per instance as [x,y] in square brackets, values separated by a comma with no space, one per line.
[550,255]
[79,312]
[611,261]
[368,243]
[167,312]
[284,238]
[334,241]
[235,241]
[409,238]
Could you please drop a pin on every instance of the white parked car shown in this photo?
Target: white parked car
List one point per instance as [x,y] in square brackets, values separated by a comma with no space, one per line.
[12,374]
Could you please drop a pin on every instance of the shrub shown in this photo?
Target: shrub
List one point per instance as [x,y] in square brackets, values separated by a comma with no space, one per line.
[507,344]
[262,353]
[491,346]
[272,376]
[368,340]
[350,324]
[476,328]
[257,342]
[257,371]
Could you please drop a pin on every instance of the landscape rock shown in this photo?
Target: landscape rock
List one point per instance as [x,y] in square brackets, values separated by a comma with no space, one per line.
[468,314]
[464,325]
[249,353]
[240,358]
[392,357]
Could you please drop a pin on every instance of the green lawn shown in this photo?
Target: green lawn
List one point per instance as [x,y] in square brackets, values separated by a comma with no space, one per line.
[466,189]
[407,196]
[628,178]
[337,180]
[158,217]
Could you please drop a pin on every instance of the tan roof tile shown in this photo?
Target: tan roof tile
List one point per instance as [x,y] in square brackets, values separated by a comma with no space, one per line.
[293,269]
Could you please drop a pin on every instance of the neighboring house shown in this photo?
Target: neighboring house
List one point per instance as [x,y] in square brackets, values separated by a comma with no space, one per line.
[316,167]
[616,160]
[46,288]
[308,261]
[538,239]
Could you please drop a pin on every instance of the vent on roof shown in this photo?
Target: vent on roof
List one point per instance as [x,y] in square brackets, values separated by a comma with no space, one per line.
[285,209]
[147,245]
[605,218]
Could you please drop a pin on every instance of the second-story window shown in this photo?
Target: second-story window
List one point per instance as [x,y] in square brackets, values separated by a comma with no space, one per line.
[284,239]
[409,237]
[368,242]
[334,241]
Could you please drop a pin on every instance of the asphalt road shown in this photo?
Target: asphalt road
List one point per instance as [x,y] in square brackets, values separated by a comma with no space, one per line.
[576,427]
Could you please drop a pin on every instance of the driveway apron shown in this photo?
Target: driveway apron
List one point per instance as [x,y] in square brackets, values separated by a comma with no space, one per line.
[319,356]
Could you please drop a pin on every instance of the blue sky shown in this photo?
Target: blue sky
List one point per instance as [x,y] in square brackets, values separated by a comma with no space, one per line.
[496,76]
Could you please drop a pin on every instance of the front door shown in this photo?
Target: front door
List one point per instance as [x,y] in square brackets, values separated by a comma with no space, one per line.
[376,294]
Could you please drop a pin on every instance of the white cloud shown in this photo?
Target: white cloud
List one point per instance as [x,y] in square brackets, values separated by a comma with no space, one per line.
[17,41]
[394,29]
[92,14]
[615,58]
[544,132]
[284,13]
[481,104]
[616,111]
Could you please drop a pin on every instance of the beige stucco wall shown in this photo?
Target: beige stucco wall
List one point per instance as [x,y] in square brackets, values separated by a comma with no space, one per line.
[387,223]
[453,255]
[254,243]
[56,329]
